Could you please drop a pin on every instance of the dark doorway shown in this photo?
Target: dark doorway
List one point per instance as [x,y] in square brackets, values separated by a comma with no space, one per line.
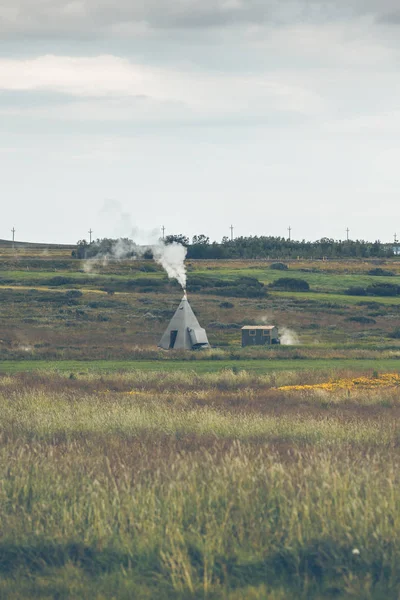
[172,338]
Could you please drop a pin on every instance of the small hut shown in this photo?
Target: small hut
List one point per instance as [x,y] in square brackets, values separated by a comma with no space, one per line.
[184,331]
[260,335]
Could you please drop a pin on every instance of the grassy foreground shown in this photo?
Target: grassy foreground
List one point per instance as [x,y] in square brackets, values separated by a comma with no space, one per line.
[185,485]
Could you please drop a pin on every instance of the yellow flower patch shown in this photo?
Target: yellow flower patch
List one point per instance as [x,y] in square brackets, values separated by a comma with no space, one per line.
[383,380]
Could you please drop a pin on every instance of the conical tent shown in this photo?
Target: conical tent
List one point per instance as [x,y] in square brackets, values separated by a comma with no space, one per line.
[184,331]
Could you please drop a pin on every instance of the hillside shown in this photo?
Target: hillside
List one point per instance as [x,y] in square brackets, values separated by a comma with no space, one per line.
[56,307]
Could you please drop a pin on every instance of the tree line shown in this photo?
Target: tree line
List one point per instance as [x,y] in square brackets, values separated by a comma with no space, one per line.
[251,247]
[279,247]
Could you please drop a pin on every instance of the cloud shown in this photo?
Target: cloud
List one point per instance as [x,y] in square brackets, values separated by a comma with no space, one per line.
[176,90]
[79,17]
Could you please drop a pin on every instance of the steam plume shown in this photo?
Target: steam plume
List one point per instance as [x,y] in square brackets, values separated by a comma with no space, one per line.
[172,259]
[170,256]
[288,337]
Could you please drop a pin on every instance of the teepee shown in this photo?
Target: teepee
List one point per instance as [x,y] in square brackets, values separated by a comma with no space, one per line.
[184,331]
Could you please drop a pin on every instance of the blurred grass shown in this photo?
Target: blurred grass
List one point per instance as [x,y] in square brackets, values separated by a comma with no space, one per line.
[197,486]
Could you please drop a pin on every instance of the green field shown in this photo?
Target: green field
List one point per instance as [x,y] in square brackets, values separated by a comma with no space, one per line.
[54,309]
[201,366]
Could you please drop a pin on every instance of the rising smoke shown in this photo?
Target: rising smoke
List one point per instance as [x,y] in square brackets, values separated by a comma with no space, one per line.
[172,259]
[170,256]
[288,337]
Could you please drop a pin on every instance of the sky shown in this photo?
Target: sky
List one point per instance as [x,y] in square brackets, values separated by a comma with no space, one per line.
[125,116]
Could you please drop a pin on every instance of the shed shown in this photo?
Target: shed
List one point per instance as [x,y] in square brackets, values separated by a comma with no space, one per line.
[259,335]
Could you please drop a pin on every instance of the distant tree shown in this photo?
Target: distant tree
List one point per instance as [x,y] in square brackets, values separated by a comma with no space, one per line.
[200,239]
[179,239]
[81,248]
[148,255]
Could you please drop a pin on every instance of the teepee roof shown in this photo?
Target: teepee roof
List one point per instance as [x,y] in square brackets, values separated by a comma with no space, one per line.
[184,331]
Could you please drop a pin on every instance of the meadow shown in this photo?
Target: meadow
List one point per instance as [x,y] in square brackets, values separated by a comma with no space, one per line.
[54,307]
[184,485]
[234,473]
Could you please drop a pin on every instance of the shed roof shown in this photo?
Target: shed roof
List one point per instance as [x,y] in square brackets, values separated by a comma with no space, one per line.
[259,327]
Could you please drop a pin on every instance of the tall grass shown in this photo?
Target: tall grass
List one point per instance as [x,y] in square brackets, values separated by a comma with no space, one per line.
[143,491]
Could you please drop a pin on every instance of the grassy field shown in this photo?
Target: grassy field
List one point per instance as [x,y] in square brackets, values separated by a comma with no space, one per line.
[53,307]
[235,474]
[203,366]
[184,485]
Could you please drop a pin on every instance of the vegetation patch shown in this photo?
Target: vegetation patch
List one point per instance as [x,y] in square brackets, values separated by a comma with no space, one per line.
[379,272]
[290,284]
[362,320]
[278,266]
[384,380]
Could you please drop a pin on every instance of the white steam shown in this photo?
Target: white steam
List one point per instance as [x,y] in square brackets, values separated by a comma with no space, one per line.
[172,259]
[288,337]
[170,256]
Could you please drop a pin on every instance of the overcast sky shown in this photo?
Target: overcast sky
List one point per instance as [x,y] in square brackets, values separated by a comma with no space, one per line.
[128,115]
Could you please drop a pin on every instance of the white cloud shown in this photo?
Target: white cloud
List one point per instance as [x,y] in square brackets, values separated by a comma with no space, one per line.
[111,76]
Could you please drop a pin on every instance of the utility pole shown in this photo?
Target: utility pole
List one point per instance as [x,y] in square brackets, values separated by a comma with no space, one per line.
[13,238]
[90,235]
[231,228]
[395,238]
[163,232]
[347,233]
[290,231]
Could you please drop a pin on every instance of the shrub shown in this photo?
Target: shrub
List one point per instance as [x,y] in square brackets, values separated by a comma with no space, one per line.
[59,280]
[356,290]
[290,284]
[226,305]
[362,319]
[250,281]
[378,272]
[383,289]
[278,266]
[74,294]
[395,334]
[371,304]
[240,291]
